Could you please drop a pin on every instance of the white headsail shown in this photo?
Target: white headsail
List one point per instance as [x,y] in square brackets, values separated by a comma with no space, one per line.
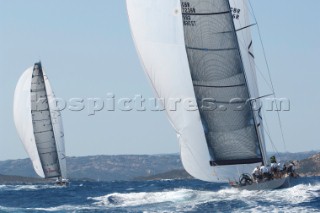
[182,45]
[39,124]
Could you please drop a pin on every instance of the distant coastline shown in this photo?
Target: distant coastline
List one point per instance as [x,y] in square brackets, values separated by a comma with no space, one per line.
[18,180]
[133,167]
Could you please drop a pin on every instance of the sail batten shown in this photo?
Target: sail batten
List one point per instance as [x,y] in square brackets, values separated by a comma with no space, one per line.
[206,84]
[206,14]
[203,49]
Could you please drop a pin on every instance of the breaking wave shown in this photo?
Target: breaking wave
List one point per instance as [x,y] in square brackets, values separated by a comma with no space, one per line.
[158,196]
[290,199]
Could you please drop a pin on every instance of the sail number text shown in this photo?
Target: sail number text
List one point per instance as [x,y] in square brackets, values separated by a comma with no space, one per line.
[186,10]
[235,12]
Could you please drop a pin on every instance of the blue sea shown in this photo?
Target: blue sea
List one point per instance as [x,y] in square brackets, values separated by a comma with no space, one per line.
[159,196]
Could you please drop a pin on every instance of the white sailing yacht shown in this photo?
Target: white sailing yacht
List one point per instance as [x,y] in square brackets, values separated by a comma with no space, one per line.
[202,49]
[39,124]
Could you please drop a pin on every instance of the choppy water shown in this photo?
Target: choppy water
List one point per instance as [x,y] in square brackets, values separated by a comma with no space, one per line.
[159,196]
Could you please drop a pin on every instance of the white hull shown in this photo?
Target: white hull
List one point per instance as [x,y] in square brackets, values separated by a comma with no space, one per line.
[267,185]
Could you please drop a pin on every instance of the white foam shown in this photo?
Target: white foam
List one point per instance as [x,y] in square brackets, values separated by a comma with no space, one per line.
[27,187]
[167,180]
[183,199]
[3,186]
[8,209]
[62,208]
[143,198]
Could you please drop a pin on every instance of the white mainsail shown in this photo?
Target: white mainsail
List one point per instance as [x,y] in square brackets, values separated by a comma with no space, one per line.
[159,29]
[39,124]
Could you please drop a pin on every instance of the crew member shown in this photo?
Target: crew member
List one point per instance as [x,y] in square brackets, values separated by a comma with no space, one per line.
[256,174]
[264,170]
[273,159]
[291,169]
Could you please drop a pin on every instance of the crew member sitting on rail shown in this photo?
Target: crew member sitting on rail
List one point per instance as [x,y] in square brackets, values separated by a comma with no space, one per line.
[274,169]
[281,170]
[264,170]
[291,169]
[256,174]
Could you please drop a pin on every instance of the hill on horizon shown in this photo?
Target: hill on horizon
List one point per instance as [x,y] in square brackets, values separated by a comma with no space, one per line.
[122,167]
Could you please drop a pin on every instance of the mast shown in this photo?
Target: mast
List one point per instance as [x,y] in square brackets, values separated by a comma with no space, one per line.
[260,138]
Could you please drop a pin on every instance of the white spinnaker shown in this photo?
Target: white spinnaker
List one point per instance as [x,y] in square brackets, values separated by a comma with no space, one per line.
[56,120]
[158,34]
[23,119]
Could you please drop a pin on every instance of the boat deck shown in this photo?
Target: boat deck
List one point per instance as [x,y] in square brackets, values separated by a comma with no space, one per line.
[266,185]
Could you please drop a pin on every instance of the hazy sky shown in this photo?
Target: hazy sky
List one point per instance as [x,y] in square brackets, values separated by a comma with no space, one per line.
[87,51]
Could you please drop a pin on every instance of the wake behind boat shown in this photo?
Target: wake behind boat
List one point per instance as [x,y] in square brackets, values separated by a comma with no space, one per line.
[203,50]
[39,125]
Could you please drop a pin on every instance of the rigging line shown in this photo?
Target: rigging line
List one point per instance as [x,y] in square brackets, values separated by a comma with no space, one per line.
[270,78]
[262,75]
[269,136]
[267,130]
[272,143]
